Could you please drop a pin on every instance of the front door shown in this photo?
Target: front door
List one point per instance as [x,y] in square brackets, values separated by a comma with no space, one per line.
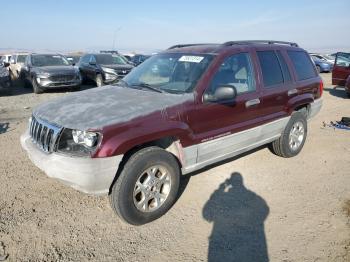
[341,69]
[214,123]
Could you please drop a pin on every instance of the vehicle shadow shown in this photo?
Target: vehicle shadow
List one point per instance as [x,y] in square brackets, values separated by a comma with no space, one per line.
[337,91]
[238,216]
[185,179]
[4,127]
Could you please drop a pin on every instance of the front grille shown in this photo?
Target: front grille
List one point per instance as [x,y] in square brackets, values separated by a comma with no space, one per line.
[43,134]
[62,78]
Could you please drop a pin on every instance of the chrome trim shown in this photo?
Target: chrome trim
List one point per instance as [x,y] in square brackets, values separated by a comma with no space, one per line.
[44,134]
[292,92]
[252,102]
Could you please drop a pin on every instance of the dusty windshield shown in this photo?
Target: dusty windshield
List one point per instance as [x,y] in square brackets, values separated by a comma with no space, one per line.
[49,60]
[173,72]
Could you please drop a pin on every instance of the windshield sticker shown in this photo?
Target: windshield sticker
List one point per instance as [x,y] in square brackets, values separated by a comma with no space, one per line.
[191,59]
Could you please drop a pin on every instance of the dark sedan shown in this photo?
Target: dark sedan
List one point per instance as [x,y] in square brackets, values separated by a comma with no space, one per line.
[47,71]
[103,68]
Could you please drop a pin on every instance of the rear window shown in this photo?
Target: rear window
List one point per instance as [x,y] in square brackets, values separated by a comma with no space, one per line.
[302,64]
[270,68]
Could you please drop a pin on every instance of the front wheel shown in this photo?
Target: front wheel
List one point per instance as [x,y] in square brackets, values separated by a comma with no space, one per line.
[99,80]
[293,137]
[147,186]
[36,88]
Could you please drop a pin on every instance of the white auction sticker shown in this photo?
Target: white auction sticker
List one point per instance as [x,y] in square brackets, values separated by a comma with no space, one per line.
[190,58]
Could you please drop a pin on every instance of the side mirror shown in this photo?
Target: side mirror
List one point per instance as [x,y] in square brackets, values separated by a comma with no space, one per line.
[6,64]
[225,93]
[92,63]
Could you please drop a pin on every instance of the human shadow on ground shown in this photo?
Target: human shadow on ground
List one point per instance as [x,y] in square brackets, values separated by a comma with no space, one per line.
[238,216]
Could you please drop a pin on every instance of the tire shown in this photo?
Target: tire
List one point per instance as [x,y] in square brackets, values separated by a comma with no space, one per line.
[99,80]
[127,199]
[318,69]
[291,141]
[36,87]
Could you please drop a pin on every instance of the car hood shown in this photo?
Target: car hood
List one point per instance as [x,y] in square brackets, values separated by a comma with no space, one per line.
[100,107]
[55,69]
[125,67]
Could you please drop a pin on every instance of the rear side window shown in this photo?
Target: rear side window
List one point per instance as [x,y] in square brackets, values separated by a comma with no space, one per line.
[302,64]
[270,68]
[285,70]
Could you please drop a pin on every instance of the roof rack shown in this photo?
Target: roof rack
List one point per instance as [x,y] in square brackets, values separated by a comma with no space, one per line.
[268,42]
[185,45]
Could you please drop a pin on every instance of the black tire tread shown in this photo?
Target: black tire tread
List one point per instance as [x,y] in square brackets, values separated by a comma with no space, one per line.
[278,146]
[117,186]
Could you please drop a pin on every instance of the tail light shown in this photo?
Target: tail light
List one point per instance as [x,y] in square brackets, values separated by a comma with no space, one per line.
[321,88]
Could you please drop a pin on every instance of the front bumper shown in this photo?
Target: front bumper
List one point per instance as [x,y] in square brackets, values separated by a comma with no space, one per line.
[48,83]
[315,107]
[89,175]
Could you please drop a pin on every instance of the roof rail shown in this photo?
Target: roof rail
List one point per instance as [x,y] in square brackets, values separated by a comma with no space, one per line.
[268,42]
[185,45]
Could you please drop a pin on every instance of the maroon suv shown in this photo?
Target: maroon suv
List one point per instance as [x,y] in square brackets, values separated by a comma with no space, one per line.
[179,111]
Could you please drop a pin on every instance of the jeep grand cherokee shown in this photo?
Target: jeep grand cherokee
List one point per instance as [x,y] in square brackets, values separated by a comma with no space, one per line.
[181,110]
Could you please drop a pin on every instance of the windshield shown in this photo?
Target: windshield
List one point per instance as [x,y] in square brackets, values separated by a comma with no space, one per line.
[21,58]
[49,60]
[118,60]
[174,73]
[104,59]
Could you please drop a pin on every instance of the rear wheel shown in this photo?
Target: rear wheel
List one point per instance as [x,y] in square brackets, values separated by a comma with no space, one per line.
[147,186]
[293,137]
[99,80]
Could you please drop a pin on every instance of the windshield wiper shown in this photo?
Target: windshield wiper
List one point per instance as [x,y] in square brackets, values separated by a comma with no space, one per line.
[144,85]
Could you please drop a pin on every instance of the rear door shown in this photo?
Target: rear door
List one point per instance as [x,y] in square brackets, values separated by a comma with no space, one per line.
[341,69]
[277,83]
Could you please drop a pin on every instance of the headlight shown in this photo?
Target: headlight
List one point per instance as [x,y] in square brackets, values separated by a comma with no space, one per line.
[108,70]
[85,138]
[77,142]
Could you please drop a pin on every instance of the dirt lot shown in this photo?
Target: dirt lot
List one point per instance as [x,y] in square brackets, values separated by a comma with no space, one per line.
[286,209]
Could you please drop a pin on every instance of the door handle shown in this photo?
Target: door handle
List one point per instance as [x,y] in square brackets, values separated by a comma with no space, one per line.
[292,92]
[252,102]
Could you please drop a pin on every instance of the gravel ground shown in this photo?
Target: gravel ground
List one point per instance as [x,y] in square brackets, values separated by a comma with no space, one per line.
[254,207]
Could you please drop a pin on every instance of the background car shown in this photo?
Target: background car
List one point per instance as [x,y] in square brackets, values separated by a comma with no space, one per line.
[322,57]
[341,71]
[103,68]
[138,59]
[73,59]
[45,71]
[321,65]
[16,64]
[5,58]
[5,80]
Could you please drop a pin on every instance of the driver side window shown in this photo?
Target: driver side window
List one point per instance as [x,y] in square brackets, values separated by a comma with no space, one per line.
[236,70]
